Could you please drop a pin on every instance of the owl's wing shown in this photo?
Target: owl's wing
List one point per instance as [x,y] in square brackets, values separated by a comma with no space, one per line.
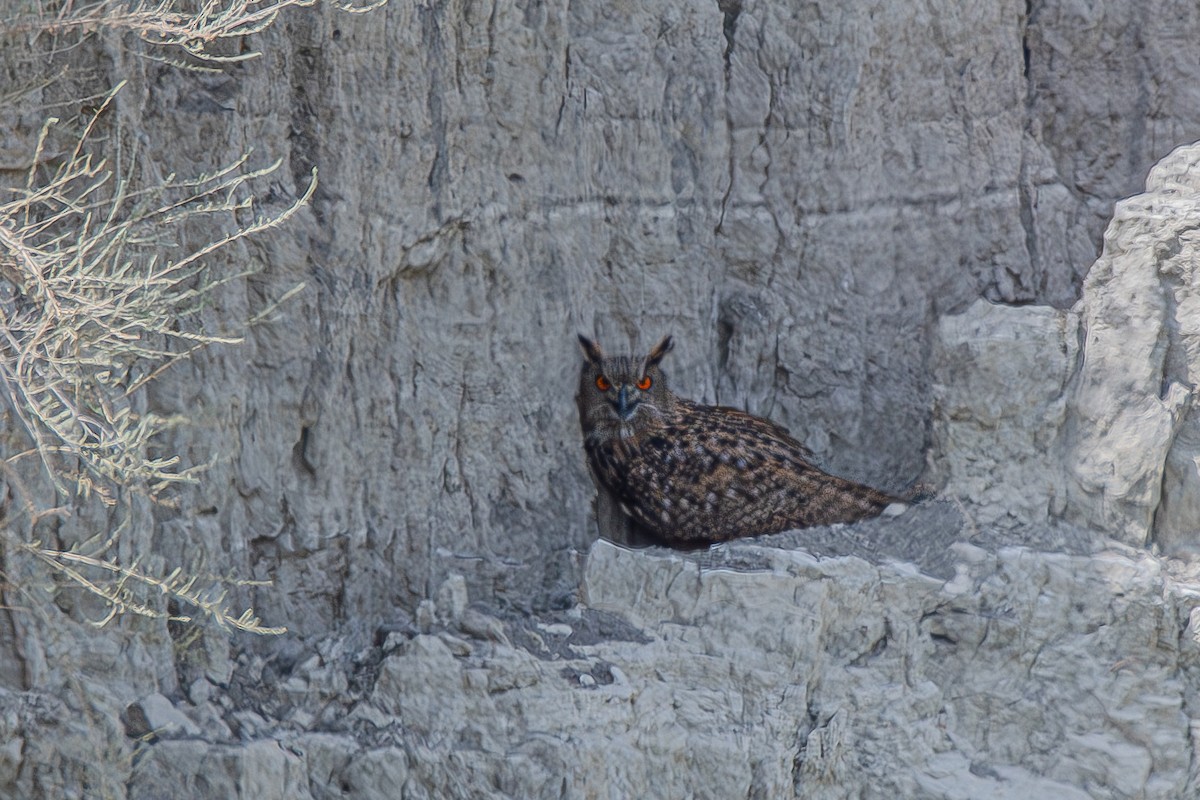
[714,473]
[758,429]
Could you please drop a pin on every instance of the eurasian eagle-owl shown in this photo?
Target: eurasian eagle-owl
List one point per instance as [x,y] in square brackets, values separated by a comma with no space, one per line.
[688,474]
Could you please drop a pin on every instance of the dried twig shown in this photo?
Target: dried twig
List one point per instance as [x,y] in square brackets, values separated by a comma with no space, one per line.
[194,27]
[90,311]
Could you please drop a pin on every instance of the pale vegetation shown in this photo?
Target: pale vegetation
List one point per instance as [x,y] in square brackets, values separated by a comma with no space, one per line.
[94,305]
[195,27]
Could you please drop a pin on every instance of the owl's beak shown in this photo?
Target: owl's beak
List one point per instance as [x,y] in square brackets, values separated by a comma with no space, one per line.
[625,405]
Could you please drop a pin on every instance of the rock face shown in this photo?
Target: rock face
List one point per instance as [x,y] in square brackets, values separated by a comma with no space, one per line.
[1088,414]
[1135,437]
[756,671]
[1000,397]
[870,222]
[798,194]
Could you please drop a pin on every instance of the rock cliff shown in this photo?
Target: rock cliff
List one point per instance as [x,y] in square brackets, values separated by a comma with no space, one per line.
[872,223]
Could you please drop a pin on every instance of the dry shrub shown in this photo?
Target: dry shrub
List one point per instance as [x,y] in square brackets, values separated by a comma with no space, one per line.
[93,306]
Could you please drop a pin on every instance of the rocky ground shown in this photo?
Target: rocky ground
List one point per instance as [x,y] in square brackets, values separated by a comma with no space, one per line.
[917,656]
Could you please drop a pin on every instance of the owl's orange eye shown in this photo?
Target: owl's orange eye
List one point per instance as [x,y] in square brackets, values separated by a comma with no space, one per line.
[602,383]
[644,383]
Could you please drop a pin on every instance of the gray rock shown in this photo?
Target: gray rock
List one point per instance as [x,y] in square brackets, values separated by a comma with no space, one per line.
[1129,411]
[868,647]
[53,748]
[1034,421]
[199,691]
[211,721]
[155,715]
[761,671]
[1000,375]
[426,613]
[799,676]
[195,769]
[327,758]
[377,774]
[451,600]
[815,193]
[249,725]
[482,626]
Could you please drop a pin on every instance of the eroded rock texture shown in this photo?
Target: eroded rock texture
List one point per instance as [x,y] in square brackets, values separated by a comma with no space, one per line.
[753,671]
[1135,436]
[814,199]
[798,194]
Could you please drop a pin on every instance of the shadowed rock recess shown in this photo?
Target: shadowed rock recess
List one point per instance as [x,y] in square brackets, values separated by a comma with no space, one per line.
[876,223]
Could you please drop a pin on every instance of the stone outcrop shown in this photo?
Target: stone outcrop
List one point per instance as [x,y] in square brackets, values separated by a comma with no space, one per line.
[1135,436]
[757,671]
[869,222]
[798,194]
[1000,397]
[1087,414]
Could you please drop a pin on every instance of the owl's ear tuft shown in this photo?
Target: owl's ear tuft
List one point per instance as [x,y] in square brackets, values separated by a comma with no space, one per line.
[591,350]
[659,350]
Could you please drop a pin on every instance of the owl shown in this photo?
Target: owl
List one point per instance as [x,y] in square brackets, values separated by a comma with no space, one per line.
[672,471]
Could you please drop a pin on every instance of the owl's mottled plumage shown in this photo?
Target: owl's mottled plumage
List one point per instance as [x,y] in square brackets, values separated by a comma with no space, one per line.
[690,474]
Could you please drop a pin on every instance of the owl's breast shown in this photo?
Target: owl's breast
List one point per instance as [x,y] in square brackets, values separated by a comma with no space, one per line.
[671,481]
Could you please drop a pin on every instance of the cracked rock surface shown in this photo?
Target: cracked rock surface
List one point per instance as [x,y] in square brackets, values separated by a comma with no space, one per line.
[875,223]
[752,671]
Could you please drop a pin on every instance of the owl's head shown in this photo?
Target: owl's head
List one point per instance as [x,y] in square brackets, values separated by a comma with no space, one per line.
[620,394]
